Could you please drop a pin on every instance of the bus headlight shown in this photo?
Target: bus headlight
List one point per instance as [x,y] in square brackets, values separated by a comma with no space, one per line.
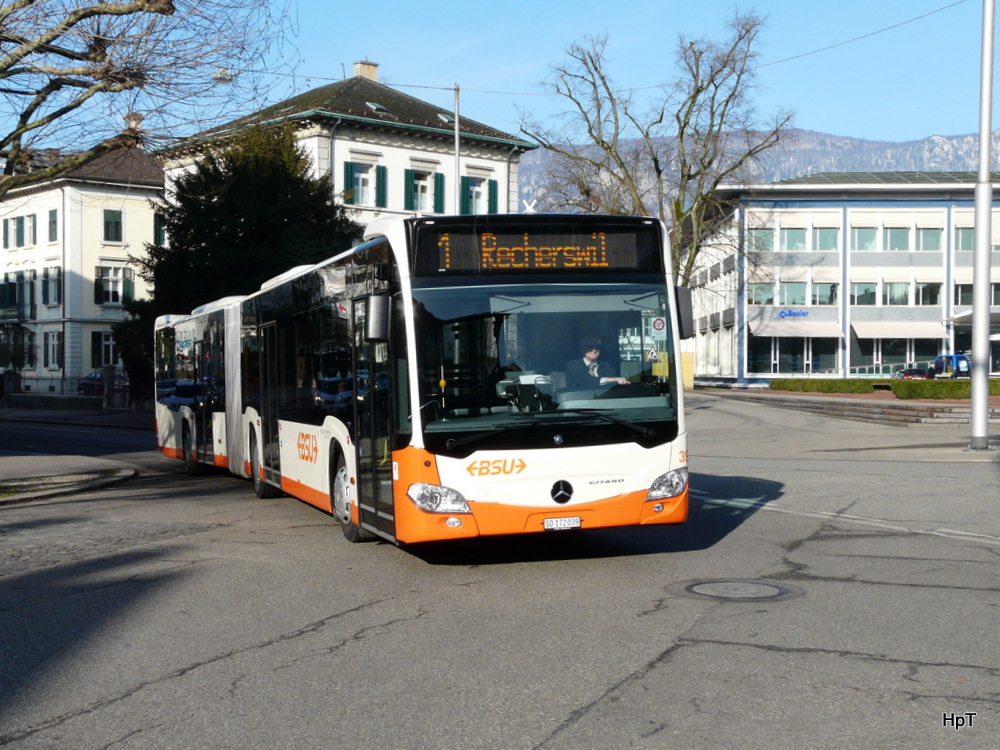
[437,499]
[670,484]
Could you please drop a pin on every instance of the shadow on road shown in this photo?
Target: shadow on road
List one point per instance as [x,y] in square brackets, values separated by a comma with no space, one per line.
[47,615]
[711,517]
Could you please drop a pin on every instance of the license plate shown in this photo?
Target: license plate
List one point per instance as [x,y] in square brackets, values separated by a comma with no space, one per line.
[558,524]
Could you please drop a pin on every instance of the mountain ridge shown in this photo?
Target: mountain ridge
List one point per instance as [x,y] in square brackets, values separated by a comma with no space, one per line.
[805,152]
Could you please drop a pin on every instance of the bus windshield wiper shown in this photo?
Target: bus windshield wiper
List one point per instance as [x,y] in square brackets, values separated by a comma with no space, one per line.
[637,428]
[477,436]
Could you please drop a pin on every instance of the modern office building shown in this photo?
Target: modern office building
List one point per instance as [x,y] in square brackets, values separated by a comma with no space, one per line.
[841,274]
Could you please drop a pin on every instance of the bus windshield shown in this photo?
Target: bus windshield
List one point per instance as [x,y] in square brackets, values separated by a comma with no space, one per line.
[529,364]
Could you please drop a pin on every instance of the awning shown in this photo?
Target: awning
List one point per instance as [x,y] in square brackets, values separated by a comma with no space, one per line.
[898,329]
[796,327]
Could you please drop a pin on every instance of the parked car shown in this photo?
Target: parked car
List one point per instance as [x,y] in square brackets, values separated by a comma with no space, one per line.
[92,384]
[911,373]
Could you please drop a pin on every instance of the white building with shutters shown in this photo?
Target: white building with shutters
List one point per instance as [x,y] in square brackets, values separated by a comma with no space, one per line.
[387,153]
[67,245]
[841,275]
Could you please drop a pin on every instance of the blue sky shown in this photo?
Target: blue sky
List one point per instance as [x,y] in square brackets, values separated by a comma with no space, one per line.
[893,70]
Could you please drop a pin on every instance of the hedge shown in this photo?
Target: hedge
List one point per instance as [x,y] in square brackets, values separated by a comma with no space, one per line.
[901,389]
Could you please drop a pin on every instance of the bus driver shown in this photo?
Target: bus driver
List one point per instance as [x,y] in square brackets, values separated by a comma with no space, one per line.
[588,371]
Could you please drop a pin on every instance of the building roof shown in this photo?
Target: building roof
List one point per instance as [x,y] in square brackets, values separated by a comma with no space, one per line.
[367,102]
[887,178]
[124,165]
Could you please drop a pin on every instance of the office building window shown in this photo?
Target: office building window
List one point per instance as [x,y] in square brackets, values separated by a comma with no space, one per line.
[928,239]
[896,293]
[760,293]
[793,239]
[963,294]
[824,294]
[792,292]
[863,238]
[863,293]
[826,239]
[927,294]
[895,238]
[760,240]
[965,239]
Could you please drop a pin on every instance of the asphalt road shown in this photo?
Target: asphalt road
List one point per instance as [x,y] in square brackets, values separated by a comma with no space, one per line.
[850,570]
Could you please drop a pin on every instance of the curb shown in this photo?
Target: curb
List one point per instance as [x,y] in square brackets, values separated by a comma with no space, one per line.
[42,488]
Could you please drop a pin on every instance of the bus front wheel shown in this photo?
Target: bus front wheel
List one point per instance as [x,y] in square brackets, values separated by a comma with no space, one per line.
[342,504]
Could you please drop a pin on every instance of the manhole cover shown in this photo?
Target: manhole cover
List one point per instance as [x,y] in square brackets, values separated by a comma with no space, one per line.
[737,589]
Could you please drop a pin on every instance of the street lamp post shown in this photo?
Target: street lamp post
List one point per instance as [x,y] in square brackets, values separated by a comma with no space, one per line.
[980,374]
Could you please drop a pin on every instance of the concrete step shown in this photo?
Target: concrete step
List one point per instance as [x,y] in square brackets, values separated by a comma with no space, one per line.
[899,413]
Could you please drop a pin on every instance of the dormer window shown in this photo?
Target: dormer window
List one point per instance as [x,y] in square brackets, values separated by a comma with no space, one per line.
[448,119]
[376,107]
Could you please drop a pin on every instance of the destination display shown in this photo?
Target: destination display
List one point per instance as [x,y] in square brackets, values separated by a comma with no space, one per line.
[489,251]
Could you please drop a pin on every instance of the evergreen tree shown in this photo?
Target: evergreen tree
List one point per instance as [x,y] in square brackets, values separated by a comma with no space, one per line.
[249,211]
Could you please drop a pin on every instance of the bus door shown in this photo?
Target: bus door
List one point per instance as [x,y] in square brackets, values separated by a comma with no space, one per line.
[270,440]
[373,421]
[201,409]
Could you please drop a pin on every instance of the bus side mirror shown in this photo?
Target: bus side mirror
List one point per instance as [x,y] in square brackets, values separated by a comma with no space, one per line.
[685,312]
[377,317]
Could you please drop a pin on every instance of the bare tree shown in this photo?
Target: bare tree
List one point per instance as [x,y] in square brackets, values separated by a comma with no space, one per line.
[664,158]
[81,77]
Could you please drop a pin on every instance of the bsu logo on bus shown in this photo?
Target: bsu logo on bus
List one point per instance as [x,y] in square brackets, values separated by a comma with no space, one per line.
[308,447]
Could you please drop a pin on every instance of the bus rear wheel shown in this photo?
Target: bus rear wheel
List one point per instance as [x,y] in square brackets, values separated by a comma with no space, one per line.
[191,465]
[262,489]
[341,503]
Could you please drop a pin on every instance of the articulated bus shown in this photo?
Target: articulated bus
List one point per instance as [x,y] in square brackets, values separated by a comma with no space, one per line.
[432,384]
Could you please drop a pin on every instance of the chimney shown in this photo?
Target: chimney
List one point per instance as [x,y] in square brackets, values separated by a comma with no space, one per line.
[367,70]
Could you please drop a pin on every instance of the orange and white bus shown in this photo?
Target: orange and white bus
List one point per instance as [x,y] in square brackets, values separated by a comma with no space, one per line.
[432,384]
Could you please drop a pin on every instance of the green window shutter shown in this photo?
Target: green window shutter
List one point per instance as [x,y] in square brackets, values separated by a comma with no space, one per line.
[58,290]
[381,186]
[60,351]
[96,339]
[45,349]
[408,187]
[19,231]
[128,285]
[438,192]
[6,233]
[492,196]
[349,183]
[45,286]
[99,285]
[466,203]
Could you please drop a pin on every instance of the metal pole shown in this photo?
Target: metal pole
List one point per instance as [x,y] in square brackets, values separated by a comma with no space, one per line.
[980,373]
[458,178]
